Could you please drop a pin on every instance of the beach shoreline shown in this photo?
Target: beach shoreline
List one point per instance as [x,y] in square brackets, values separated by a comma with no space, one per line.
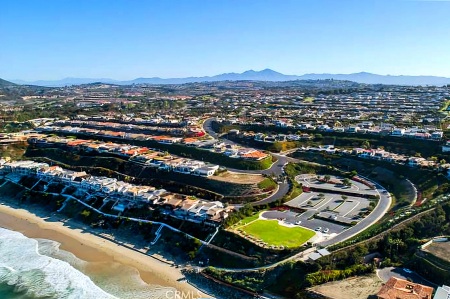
[90,247]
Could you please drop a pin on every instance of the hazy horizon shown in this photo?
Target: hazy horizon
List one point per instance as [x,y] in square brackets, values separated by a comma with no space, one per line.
[143,77]
[52,40]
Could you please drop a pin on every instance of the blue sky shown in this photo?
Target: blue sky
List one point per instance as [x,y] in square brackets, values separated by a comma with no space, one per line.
[125,39]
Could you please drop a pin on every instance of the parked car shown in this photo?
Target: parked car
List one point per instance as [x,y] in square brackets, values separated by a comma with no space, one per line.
[326,230]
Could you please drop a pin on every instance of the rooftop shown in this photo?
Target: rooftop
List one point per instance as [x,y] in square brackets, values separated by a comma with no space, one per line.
[396,288]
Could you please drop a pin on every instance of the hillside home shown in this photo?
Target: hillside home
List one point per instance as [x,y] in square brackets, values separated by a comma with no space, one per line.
[437,135]
[398,132]
[415,161]
[23,167]
[206,171]
[396,288]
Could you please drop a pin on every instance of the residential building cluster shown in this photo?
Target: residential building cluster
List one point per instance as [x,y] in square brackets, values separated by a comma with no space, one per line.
[366,127]
[179,129]
[141,155]
[383,155]
[398,105]
[233,151]
[124,195]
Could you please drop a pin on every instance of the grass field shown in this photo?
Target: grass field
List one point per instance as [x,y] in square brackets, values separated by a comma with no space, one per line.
[274,234]
[249,219]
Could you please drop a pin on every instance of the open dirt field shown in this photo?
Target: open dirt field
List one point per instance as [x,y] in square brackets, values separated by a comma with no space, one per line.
[355,288]
[238,178]
[440,249]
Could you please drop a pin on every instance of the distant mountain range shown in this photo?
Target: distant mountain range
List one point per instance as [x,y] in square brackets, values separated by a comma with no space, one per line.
[264,75]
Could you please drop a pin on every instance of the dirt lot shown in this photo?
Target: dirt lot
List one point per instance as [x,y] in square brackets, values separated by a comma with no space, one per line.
[238,178]
[440,249]
[360,287]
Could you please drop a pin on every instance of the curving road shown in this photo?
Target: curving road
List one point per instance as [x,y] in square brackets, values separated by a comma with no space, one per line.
[277,168]
[382,207]
[283,188]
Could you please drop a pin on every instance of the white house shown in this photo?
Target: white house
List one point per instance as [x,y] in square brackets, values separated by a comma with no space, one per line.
[206,171]
[398,132]
[437,135]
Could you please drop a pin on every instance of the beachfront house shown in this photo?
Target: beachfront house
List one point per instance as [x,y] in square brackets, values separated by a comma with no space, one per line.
[73,177]
[95,183]
[23,167]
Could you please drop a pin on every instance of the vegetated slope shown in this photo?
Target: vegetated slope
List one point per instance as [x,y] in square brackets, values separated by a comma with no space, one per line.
[4,83]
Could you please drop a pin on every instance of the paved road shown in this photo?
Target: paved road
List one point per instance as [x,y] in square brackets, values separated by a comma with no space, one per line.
[282,190]
[386,273]
[358,188]
[277,168]
[208,128]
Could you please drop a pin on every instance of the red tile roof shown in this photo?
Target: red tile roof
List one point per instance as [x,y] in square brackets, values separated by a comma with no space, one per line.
[396,288]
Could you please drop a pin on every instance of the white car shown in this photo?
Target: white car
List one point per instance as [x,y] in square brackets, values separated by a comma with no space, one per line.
[326,230]
[298,222]
[318,229]
[407,270]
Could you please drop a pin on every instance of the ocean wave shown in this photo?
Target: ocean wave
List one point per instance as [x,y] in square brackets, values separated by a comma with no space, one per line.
[117,279]
[41,276]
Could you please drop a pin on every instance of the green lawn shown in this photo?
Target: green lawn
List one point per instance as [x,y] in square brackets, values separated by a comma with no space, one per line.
[249,219]
[267,184]
[274,234]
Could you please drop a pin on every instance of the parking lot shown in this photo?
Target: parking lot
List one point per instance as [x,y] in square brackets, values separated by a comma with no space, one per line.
[333,204]
[328,213]
[334,184]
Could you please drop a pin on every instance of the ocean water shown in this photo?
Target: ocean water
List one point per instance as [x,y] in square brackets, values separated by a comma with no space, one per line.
[37,268]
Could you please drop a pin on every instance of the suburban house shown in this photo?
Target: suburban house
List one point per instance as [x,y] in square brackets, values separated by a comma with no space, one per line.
[125,194]
[398,132]
[415,161]
[23,167]
[396,288]
[446,147]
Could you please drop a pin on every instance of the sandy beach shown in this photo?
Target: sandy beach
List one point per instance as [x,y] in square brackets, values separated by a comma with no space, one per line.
[92,248]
